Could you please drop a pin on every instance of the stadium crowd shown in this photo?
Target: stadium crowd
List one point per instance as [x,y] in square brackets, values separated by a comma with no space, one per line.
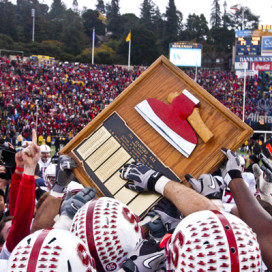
[66,97]
[228,89]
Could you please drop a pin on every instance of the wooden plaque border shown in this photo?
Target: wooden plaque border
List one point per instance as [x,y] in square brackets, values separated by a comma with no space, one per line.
[161,78]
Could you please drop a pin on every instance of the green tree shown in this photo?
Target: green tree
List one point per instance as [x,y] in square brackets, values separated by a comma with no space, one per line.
[143,47]
[157,21]
[172,20]
[8,19]
[6,42]
[129,20]
[222,37]
[45,48]
[24,20]
[170,26]
[56,17]
[58,10]
[225,17]
[104,55]
[152,19]
[197,29]
[158,27]
[41,22]
[244,16]
[75,6]
[90,21]
[100,6]
[215,19]
[180,24]
[147,12]
[74,38]
[216,30]
[115,24]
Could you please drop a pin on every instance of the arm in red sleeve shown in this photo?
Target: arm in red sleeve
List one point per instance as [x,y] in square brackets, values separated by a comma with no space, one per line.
[23,213]
[13,191]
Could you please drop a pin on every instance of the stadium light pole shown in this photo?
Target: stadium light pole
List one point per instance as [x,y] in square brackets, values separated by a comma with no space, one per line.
[196,70]
[245,64]
[33,24]
[129,52]
[243,18]
[93,43]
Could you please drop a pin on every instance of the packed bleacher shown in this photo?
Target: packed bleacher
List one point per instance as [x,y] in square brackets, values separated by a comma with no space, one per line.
[228,89]
[66,97]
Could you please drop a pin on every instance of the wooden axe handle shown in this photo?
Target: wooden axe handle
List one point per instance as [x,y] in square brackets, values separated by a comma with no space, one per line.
[199,126]
[195,120]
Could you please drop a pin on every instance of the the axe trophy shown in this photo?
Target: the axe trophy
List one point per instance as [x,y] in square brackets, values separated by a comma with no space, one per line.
[177,122]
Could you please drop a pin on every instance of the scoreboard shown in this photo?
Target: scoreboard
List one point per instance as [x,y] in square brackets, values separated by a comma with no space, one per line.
[185,54]
[253,49]
[248,46]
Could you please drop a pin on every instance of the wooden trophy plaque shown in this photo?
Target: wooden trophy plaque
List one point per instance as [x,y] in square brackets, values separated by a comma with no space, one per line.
[119,134]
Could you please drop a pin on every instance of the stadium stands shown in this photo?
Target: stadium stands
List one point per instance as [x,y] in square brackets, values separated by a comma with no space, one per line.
[65,97]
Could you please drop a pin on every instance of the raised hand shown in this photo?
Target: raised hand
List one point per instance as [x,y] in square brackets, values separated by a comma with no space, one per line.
[31,155]
[64,173]
[266,167]
[72,204]
[233,168]
[19,159]
[206,185]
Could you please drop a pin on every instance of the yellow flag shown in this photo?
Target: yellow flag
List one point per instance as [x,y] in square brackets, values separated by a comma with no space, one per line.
[102,17]
[128,37]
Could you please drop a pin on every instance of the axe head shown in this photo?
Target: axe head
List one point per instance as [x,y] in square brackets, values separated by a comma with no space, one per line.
[170,120]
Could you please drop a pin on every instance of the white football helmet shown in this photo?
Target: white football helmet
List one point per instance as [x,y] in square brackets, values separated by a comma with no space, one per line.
[25,143]
[213,241]
[45,149]
[51,250]
[50,175]
[110,229]
[45,153]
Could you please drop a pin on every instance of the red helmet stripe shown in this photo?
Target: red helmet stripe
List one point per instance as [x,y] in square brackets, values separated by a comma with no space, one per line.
[234,254]
[33,258]
[90,235]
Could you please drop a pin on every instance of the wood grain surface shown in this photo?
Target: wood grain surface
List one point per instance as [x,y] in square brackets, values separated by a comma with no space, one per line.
[158,81]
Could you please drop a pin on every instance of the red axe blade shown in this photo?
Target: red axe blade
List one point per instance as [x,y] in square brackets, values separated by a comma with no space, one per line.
[170,121]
